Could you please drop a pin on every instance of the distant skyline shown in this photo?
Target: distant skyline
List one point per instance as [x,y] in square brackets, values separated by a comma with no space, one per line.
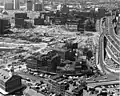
[61,0]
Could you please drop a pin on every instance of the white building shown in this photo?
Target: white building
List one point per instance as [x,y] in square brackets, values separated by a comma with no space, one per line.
[16,4]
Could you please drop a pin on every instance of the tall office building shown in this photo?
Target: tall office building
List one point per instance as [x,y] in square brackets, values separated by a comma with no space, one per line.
[16,4]
[29,5]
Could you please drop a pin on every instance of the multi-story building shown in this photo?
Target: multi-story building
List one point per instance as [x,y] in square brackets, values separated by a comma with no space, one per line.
[9,82]
[57,86]
[29,5]
[33,63]
[53,63]
[109,50]
[16,4]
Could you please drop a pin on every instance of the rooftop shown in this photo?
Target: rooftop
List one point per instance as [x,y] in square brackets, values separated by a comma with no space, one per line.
[4,75]
[32,92]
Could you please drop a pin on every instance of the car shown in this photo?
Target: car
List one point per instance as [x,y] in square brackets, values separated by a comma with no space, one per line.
[35,74]
[28,79]
[45,75]
[31,72]
[41,75]
[49,76]
[37,87]
[25,70]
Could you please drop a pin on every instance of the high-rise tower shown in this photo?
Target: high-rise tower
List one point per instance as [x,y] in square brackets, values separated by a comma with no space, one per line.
[16,4]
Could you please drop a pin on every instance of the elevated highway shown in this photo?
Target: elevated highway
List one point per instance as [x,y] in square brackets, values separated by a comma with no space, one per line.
[102,65]
[115,58]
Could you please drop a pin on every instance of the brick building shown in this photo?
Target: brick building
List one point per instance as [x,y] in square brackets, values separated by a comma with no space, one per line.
[33,63]
[9,82]
[57,87]
[53,63]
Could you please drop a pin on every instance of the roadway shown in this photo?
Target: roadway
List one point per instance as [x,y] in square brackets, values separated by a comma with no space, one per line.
[102,66]
[117,36]
[110,34]
[110,52]
[109,77]
[94,84]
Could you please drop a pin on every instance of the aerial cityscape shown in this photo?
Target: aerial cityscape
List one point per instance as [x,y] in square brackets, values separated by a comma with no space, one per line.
[59,47]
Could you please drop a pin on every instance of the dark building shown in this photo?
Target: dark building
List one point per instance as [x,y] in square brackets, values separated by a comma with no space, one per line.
[39,21]
[101,12]
[21,15]
[80,26]
[9,83]
[45,63]
[65,9]
[38,7]
[85,50]
[4,25]
[71,45]
[19,22]
[70,55]
[66,54]
[53,63]
[29,5]
[89,25]
[89,54]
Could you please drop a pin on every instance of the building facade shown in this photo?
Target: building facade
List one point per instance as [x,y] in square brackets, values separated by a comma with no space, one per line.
[9,82]
[16,4]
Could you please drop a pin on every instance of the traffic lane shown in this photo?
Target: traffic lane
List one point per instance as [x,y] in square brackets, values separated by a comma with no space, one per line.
[113,42]
[112,32]
[101,51]
[103,83]
[101,54]
[104,69]
[118,37]
[106,77]
[109,51]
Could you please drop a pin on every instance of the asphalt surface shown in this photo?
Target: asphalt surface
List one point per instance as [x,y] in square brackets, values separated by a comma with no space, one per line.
[112,54]
[101,59]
